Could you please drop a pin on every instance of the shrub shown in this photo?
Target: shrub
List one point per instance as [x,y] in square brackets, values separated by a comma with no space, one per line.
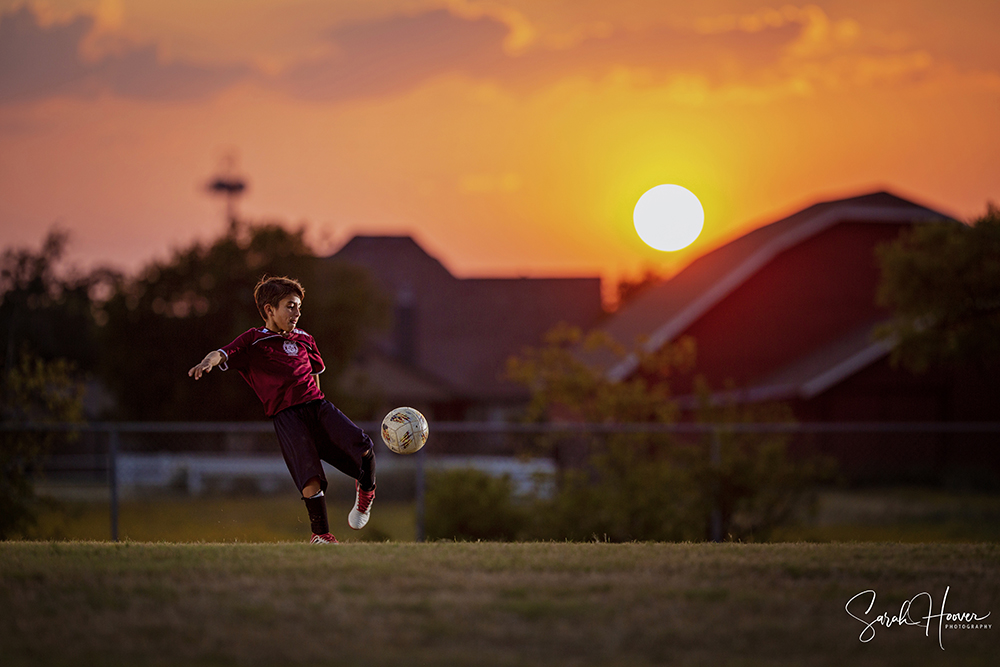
[37,392]
[469,504]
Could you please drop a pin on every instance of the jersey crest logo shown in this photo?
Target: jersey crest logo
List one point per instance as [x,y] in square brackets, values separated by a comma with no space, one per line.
[291,349]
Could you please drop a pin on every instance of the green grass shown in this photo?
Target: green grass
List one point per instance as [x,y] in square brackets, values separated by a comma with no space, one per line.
[551,604]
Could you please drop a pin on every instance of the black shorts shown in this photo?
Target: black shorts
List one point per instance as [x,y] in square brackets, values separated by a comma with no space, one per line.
[318,431]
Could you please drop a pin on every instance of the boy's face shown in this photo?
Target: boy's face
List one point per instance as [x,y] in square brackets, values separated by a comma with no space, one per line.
[284,317]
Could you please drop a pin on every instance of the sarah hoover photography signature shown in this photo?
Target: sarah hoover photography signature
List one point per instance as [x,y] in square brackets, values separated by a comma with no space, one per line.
[911,613]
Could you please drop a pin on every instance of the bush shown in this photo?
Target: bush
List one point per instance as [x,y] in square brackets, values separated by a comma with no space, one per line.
[37,392]
[624,492]
[472,505]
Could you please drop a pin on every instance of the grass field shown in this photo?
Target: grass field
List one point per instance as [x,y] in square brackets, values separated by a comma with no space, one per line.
[550,604]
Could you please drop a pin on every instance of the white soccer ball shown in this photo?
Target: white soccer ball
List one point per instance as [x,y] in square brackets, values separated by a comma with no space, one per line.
[404,430]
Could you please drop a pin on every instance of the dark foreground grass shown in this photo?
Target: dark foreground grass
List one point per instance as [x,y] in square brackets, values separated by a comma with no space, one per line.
[487,604]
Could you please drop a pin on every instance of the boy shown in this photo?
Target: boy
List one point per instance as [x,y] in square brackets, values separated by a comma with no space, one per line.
[282,364]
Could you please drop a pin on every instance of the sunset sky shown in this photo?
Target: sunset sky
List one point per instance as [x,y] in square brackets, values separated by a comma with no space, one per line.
[510,137]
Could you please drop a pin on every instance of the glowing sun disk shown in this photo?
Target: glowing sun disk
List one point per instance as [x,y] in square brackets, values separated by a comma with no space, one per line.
[668,217]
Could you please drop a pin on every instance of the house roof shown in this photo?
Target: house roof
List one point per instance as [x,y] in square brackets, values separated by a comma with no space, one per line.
[464,329]
[395,261]
[664,311]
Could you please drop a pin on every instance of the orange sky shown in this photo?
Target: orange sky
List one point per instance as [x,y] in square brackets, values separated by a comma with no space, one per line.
[510,137]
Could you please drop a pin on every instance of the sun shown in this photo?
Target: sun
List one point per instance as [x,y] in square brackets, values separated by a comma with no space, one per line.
[668,217]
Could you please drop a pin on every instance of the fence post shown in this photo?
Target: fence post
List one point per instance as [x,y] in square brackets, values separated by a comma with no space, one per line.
[715,527]
[420,492]
[113,480]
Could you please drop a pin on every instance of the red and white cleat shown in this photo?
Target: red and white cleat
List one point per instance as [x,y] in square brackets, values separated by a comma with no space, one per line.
[325,538]
[362,508]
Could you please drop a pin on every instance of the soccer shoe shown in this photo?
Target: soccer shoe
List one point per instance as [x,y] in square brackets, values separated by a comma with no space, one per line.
[325,538]
[362,508]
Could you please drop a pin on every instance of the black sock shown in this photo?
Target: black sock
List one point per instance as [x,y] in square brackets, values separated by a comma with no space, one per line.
[367,479]
[316,506]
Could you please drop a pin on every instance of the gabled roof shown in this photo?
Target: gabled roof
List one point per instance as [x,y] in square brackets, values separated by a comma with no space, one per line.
[395,260]
[664,311]
[464,329]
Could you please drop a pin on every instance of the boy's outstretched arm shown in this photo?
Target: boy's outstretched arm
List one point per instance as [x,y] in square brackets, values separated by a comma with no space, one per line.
[211,360]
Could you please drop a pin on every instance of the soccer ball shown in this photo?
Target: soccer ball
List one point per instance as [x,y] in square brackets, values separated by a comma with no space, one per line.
[404,430]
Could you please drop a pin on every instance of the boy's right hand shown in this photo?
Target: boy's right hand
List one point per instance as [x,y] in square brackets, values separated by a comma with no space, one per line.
[210,361]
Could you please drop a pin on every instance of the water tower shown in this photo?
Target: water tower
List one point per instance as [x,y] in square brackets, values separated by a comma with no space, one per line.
[229,185]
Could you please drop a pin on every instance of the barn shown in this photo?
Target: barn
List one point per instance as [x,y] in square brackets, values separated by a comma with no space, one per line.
[788,313]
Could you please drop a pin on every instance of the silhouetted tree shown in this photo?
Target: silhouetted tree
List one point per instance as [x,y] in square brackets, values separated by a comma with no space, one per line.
[48,310]
[48,323]
[629,288]
[163,321]
[942,282]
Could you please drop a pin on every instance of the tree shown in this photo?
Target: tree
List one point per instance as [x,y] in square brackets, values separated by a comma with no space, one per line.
[941,281]
[647,486]
[49,330]
[629,288]
[164,320]
[36,392]
[46,309]
[753,482]
[618,487]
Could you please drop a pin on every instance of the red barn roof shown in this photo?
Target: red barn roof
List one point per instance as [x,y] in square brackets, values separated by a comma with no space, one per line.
[783,311]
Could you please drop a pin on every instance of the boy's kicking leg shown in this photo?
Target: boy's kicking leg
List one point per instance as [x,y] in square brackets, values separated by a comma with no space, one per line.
[364,492]
[349,449]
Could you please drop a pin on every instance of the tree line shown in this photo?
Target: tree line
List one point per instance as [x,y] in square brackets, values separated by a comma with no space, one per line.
[136,335]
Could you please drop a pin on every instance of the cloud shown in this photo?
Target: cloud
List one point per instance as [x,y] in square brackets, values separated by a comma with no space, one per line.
[36,62]
[751,58]
[744,58]
[140,74]
[661,52]
[398,53]
[816,54]
[39,61]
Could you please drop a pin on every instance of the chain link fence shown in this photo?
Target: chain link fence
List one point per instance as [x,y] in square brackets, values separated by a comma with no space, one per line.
[197,458]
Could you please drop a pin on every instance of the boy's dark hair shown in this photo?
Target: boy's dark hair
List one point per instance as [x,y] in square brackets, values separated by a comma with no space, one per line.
[272,289]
